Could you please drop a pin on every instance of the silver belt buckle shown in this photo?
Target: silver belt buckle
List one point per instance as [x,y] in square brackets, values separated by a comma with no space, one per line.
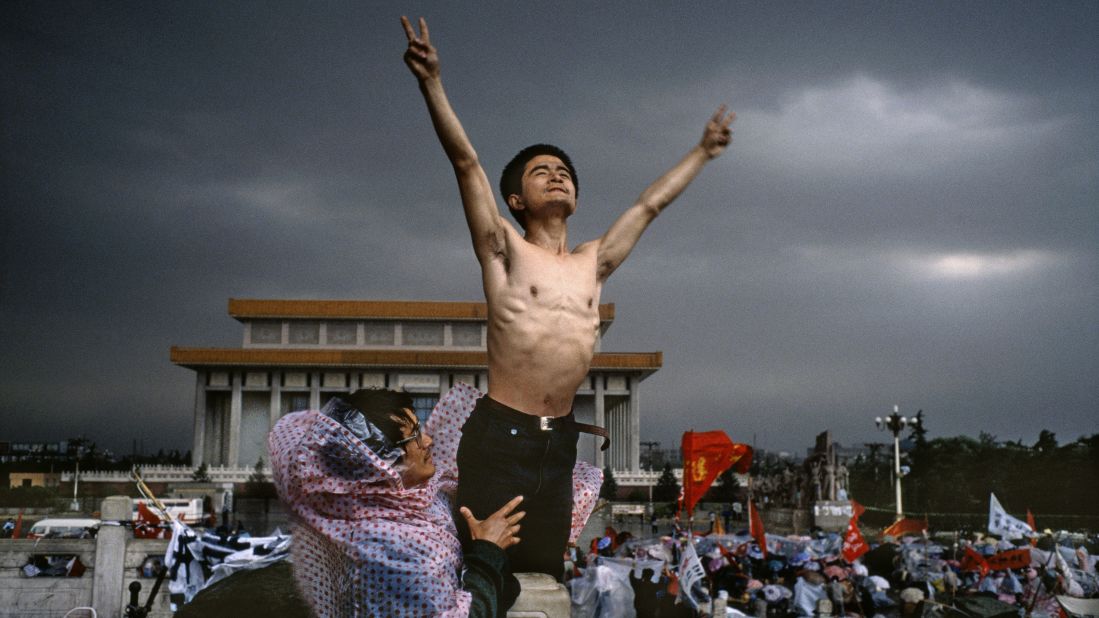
[544,423]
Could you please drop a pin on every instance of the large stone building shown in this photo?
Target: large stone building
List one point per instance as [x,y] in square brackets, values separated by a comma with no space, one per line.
[296,354]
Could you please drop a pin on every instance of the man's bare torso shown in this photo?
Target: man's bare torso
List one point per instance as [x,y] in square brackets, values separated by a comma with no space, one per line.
[543,301]
[543,320]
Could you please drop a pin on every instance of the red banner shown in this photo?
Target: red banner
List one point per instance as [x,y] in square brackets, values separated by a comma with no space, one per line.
[707,454]
[854,545]
[1011,559]
[972,561]
[1033,526]
[755,527]
[905,525]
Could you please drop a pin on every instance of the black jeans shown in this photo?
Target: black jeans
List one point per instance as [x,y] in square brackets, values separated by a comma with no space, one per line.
[504,453]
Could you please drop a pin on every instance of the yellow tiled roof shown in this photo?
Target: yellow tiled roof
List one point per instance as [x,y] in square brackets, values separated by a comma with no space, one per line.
[282,357]
[243,308]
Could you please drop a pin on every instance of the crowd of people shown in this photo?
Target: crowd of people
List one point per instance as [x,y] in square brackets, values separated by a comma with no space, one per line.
[807,576]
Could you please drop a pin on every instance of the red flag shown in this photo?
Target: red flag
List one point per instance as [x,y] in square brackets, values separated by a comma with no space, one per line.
[147,525]
[854,545]
[741,458]
[1033,526]
[755,527]
[905,525]
[857,510]
[972,561]
[18,526]
[707,454]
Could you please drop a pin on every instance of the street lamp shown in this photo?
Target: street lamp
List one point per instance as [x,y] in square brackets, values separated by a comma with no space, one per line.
[896,424]
[650,446]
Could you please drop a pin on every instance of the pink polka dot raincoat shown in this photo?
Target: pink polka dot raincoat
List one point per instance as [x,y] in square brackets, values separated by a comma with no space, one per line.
[365,545]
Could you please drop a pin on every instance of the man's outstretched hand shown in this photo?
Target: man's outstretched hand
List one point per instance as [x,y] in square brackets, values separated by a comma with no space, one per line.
[718,133]
[421,56]
[500,528]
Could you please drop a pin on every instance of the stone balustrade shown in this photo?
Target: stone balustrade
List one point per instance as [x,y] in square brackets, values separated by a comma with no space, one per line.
[112,562]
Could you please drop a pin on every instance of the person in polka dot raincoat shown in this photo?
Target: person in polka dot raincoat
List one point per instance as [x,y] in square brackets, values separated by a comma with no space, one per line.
[374,532]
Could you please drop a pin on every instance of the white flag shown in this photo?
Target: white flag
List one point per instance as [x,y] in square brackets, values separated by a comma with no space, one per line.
[692,584]
[1002,524]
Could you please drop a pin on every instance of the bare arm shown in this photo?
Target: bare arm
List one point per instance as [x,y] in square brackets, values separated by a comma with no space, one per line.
[482,215]
[624,233]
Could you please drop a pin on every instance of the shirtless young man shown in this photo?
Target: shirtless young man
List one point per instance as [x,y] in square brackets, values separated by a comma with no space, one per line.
[543,314]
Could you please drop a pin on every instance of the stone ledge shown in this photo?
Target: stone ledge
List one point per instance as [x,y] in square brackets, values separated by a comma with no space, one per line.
[540,597]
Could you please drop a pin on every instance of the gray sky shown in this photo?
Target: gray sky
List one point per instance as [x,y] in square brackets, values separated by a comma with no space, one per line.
[908,213]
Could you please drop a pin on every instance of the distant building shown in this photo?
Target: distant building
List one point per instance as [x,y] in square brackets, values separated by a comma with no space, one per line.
[851,453]
[844,453]
[785,457]
[39,451]
[655,458]
[33,479]
[296,354]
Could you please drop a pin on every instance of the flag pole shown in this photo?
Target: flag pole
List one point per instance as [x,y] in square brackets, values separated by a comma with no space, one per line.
[147,493]
[750,496]
[751,501]
[686,498]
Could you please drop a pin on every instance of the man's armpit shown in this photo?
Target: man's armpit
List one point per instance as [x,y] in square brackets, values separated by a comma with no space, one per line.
[491,245]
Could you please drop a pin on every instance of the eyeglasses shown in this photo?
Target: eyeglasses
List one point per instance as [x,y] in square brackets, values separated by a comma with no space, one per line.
[415,435]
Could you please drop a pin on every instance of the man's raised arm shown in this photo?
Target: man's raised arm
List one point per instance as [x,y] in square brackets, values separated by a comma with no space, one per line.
[483,217]
[624,233]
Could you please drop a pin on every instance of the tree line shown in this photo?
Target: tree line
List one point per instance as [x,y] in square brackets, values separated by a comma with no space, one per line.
[950,480]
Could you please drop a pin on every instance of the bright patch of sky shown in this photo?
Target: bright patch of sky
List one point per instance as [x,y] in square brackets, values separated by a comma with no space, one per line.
[868,126]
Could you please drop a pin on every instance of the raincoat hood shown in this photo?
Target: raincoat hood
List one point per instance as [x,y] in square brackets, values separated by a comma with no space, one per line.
[365,545]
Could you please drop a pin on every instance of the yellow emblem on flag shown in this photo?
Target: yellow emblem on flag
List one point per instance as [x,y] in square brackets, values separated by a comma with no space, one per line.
[698,470]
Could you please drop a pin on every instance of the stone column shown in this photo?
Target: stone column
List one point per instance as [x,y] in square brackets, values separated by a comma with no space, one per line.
[110,557]
[315,390]
[276,400]
[634,423]
[233,460]
[198,449]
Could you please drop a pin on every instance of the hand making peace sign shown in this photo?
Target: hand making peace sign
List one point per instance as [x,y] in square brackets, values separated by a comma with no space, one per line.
[421,56]
[718,133]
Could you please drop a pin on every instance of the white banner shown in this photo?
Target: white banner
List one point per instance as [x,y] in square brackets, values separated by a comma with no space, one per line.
[1002,524]
[692,577]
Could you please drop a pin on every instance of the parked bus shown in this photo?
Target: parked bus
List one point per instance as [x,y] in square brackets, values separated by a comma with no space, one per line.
[60,528]
[186,510]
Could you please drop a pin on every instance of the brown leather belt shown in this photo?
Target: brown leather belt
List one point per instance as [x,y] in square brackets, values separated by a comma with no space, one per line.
[544,423]
[549,423]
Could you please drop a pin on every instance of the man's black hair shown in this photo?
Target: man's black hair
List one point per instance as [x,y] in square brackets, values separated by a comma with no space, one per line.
[384,408]
[511,180]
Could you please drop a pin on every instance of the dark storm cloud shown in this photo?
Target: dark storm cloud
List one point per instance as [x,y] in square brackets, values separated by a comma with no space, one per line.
[907,214]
